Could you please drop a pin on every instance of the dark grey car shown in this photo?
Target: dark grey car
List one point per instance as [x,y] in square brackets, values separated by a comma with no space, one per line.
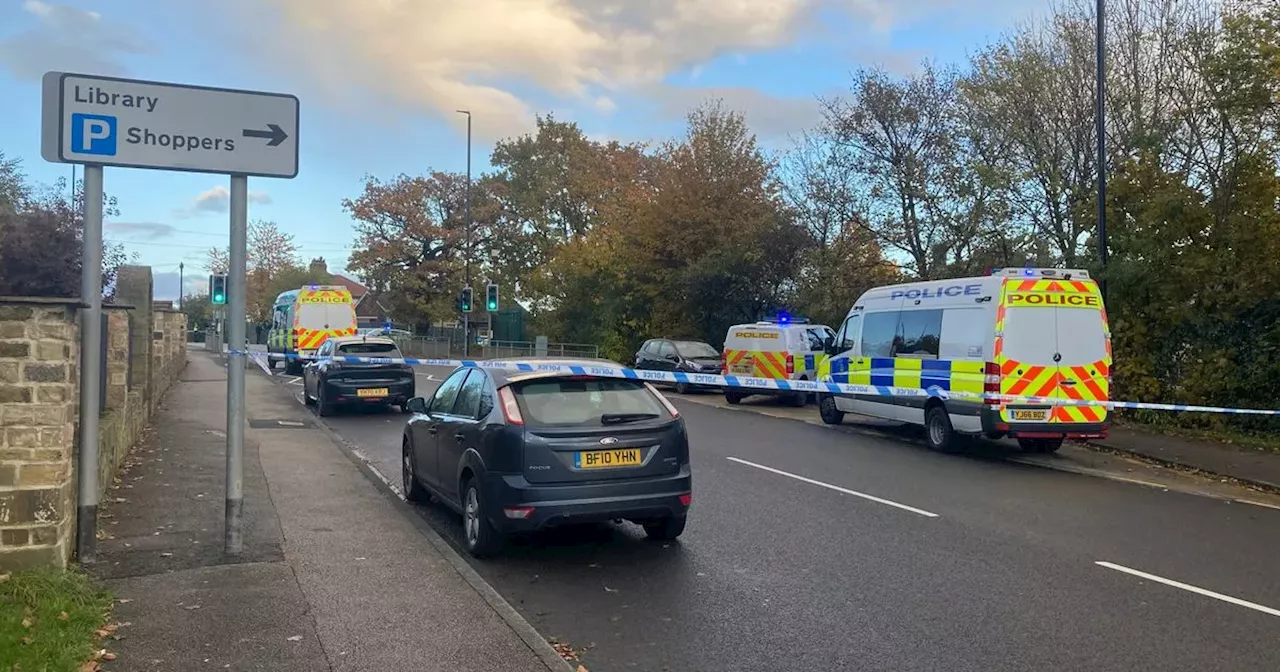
[520,451]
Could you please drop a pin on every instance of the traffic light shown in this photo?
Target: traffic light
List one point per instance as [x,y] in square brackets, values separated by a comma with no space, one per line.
[491,298]
[465,300]
[218,289]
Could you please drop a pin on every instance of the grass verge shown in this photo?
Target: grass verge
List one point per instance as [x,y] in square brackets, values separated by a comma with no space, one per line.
[48,619]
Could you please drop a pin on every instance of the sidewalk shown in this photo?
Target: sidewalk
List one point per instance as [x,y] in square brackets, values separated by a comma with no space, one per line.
[334,575]
[1256,467]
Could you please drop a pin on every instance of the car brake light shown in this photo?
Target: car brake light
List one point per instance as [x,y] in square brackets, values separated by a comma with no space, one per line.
[686,499]
[991,381]
[510,409]
[518,512]
[791,364]
[665,402]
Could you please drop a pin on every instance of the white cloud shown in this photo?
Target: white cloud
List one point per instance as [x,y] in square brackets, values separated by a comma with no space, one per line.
[69,39]
[218,199]
[770,117]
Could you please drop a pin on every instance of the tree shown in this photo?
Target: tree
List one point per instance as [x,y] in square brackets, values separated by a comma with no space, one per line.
[411,243]
[270,253]
[42,240]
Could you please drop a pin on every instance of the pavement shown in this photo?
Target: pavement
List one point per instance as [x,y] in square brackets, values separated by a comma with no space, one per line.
[855,547]
[335,575]
[1248,465]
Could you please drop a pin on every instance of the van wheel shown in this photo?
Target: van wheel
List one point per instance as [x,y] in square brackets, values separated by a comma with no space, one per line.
[938,430]
[828,410]
[1040,445]
[734,398]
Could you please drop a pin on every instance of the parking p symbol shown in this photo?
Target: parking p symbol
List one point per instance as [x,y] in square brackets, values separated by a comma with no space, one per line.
[93,134]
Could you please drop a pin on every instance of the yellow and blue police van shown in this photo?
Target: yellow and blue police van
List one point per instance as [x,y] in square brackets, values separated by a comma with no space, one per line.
[304,318]
[783,348]
[1019,332]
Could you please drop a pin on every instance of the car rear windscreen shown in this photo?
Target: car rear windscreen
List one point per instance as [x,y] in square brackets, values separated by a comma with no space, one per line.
[565,401]
[693,350]
[370,349]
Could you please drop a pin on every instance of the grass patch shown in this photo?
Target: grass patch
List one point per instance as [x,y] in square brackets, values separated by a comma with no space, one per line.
[47,619]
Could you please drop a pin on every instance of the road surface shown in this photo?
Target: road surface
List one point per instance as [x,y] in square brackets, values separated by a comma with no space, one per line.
[812,548]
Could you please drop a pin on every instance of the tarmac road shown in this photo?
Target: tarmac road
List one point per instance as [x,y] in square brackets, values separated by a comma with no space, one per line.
[814,549]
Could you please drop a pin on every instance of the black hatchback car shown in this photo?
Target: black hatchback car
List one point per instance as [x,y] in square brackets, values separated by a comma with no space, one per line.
[520,451]
[329,381]
[662,354]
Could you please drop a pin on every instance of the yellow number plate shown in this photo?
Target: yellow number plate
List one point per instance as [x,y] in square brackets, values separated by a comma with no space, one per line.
[375,392]
[603,459]
[746,367]
[1033,415]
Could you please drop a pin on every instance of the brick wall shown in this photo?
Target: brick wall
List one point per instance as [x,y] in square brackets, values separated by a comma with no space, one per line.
[39,400]
[38,404]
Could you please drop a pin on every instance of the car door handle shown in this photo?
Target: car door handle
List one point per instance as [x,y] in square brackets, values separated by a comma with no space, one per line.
[432,430]
[460,437]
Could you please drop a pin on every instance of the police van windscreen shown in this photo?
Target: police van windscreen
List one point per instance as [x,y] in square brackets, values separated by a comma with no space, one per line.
[1034,335]
[316,316]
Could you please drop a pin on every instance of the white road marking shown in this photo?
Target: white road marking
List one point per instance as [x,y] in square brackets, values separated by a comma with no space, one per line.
[1262,504]
[293,381]
[837,488]
[1190,588]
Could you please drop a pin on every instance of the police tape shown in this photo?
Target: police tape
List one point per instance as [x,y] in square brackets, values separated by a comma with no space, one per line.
[770,384]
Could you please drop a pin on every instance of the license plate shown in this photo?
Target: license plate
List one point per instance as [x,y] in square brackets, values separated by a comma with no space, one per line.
[374,392]
[1032,415]
[604,459]
[742,368]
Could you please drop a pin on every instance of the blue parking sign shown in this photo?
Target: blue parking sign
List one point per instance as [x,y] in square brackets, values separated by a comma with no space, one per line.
[93,134]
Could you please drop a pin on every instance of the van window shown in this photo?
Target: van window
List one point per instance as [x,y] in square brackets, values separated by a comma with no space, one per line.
[878,333]
[816,337]
[1081,339]
[847,339]
[965,333]
[919,333]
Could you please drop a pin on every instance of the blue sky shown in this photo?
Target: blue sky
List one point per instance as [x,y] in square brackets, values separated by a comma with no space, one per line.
[379,83]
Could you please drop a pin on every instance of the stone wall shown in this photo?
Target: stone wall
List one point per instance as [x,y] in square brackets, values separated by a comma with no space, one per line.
[38,406]
[39,401]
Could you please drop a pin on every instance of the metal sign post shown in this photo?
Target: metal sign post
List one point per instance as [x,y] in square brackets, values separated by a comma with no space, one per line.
[108,121]
[90,368]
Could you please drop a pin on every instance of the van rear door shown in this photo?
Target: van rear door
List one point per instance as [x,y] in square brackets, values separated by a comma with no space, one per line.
[1054,344]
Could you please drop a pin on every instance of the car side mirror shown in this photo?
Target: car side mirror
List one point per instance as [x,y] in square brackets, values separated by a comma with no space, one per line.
[417,405]
[829,345]
[673,358]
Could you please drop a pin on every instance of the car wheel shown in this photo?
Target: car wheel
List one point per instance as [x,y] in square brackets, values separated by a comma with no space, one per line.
[478,534]
[682,388]
[413,490]
[828,411]
[271,363]
[938,430]
[323,407]
[306,396]
[293,367]
[734,398]
[665,529]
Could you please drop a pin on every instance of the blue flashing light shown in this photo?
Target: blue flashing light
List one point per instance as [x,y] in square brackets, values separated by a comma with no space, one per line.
[783,318]
[1029,272]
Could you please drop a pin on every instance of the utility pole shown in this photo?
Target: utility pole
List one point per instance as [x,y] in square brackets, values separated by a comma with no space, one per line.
[1102,145]
[466,317]
[181,285]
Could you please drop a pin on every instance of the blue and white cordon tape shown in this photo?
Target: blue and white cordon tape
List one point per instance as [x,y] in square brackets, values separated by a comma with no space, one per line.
[716,380]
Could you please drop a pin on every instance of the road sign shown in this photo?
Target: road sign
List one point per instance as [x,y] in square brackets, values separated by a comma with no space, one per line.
[107,121]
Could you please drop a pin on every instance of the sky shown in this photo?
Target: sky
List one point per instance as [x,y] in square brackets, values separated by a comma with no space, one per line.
[380,83]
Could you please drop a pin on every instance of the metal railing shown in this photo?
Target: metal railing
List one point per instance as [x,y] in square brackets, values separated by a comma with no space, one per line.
[507,349]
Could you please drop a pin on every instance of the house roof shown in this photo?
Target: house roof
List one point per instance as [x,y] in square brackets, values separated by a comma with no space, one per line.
[357,290]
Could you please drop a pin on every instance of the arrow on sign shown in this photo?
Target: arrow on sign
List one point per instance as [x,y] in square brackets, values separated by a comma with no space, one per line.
[276,135]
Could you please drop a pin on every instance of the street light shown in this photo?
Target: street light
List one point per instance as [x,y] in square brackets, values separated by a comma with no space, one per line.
[466,316]
[1101,86]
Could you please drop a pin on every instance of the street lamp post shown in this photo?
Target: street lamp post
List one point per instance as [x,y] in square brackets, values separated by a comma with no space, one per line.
[466,317]
[1101,86]
[181,268]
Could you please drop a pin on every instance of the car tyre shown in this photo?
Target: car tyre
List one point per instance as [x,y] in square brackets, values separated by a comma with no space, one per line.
[733,397]
[271,363]
[665,529]
[306,396]
[828,411]
[478,535]
[323,407]
[938,430]
[413,490]
[293,368]
[682,388]
[1040,445]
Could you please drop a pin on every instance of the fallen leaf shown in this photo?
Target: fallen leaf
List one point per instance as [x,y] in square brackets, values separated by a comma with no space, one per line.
[26,622]
[124,600]
[26,640]
[295,638]
[4,577]
[607,589]
[90,666]
[62,616]
[108,656]
[582,668]
[166,555]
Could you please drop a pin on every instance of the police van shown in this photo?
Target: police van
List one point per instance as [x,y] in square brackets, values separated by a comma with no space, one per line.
[302,319]
[1022,332]
[784,348]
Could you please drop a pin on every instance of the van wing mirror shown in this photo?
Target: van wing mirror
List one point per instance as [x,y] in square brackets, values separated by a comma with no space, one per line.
[829,344]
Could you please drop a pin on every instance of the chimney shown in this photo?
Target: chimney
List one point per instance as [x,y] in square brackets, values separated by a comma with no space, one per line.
[318,265]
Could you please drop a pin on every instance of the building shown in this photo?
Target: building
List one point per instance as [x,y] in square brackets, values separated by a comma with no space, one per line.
[369,311]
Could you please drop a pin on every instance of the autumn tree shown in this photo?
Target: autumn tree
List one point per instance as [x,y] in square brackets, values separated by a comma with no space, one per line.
[412,241]
[271,253]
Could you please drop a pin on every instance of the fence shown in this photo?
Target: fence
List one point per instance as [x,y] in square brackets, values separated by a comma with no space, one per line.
[506,349]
